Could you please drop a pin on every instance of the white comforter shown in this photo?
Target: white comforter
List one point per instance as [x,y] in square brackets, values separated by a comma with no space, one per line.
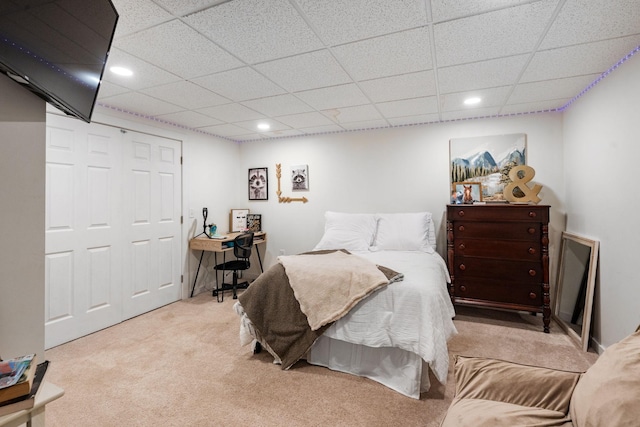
[415,314]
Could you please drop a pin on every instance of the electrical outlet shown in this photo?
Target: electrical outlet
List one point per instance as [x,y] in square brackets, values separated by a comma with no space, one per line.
[281,251]
[192,213]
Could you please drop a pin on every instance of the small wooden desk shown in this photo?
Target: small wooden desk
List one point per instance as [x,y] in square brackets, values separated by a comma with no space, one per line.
[34,417]
[204,243]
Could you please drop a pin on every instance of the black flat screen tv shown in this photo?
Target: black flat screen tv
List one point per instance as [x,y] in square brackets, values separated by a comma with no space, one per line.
[58,49]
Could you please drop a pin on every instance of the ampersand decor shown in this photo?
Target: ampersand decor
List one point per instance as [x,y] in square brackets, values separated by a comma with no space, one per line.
[530,194]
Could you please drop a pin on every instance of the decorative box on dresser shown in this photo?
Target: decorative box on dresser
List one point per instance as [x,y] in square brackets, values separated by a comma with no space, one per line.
[498,256]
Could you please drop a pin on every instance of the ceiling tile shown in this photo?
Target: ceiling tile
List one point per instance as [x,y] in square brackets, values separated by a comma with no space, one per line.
[468,115]
[305,120]
[397,53]
[400,87]
[231,113]
[550,89]
[366,125]
[226,130]
[323,129]
[480,75]
[139,14]
[580,22]
[306,71]
[596,57]
[192,54]
[240,84]
[411,120]
[256,30]
[532,107]
[474,38]
[139,103]
[490,98]
[409,107]
[190,119]
[184,7]
[109,89]
[444,10]
[353,114]
[144,74]
[347,95]
[252,125]
[339,21]
[186,94]
[278,105]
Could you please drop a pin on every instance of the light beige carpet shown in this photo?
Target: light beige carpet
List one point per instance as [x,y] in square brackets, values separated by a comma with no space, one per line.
[182,365]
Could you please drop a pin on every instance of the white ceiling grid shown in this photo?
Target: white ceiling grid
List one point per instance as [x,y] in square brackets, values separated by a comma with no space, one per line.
[310,66]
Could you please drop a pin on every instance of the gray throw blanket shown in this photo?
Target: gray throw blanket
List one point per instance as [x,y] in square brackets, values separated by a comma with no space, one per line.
[275,313]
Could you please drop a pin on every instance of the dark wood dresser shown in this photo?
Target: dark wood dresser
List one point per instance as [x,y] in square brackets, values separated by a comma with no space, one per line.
[498,256]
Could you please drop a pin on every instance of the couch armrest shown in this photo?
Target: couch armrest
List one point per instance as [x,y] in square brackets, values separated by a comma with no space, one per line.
[497,380]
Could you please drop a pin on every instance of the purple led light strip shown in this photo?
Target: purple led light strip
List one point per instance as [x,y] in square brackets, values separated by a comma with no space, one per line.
[550,110]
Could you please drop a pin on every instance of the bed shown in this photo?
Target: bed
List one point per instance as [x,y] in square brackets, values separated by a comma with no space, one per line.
[394,332]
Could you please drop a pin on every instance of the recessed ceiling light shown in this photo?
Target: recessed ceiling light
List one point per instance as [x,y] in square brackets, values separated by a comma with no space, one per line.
[472,101]
[121,71]
[264,126]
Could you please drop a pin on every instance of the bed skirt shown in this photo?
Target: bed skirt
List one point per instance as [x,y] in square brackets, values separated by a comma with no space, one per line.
[400,370]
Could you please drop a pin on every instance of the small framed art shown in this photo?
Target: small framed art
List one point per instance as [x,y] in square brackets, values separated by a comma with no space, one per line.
[254,222]
[466,192]
[258,184]
[238,220]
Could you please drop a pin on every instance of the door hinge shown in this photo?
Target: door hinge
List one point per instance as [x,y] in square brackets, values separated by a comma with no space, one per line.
[182,278]
[180,159]
[181,219]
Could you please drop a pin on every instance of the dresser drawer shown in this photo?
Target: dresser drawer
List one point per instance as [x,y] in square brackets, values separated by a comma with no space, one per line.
[498,269]
[499,292]
[501,212]
[530,231]
[505,249]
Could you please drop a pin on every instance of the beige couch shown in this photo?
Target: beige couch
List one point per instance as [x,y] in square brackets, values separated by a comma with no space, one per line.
[497,393]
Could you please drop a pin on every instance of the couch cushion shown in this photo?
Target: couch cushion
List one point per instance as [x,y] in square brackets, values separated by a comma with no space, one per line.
[488,413]
[497,380]
[608,394]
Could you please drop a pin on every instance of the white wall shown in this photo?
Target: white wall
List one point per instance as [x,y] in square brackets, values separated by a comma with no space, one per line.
[22,194]
[391,170]
[601,150]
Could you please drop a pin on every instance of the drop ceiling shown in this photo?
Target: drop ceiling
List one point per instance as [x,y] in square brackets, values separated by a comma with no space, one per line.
[324,66]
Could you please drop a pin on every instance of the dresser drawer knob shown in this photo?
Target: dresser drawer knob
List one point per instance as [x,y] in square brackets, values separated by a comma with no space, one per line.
[532,214]
[460,213]
[532,272]
[532,230]
[461,228]
[532,251]
[533,295]
[461,246]
[463,288]
[462,267]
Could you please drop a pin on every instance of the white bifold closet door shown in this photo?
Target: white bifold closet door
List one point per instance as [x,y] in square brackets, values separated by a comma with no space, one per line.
[112,228]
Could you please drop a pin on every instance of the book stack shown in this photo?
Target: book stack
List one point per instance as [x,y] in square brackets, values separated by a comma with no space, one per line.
[20,379]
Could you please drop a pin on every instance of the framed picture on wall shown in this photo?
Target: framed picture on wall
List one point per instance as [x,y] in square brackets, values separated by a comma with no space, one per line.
[238,220]
[487,160]
[299,177]
[258,184]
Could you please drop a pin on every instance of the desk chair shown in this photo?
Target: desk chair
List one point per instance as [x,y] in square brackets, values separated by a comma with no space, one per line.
[242,245]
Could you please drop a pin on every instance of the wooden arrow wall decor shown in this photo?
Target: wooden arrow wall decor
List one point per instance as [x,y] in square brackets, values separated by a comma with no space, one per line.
[279,193]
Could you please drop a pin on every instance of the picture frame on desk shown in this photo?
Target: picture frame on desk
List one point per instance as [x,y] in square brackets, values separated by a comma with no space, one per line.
[254,222]
[238,220]
[258,184]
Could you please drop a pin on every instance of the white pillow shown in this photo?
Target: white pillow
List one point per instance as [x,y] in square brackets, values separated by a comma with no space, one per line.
[353,232]
[404,232]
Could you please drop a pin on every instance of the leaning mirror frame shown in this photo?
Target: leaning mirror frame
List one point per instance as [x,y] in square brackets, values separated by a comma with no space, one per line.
[587,285]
